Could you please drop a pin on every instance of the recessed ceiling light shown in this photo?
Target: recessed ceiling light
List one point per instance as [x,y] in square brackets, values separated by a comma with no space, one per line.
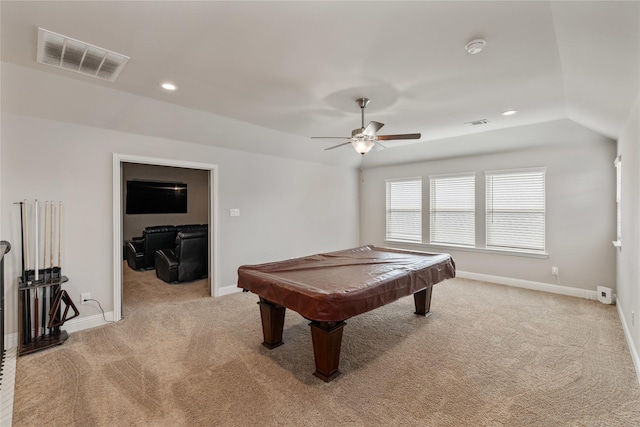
[168,86]
[509,112]
[475,46]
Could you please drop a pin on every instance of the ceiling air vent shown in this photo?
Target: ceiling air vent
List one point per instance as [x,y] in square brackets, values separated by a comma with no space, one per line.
[477,122]
[73,55]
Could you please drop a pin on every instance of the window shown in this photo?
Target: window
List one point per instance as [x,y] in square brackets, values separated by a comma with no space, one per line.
[453,209]
[404,209]
[516,210]
[618,163]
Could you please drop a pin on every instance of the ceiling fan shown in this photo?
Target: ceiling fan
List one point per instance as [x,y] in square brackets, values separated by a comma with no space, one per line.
[364,139]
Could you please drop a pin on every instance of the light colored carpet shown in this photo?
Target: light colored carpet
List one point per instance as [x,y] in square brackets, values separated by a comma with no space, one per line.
[489,355]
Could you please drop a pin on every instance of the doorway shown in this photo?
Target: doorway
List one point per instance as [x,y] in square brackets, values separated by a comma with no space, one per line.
[118,242]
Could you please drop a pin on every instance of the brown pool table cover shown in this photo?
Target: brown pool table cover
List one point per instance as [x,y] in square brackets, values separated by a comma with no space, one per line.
[338,285]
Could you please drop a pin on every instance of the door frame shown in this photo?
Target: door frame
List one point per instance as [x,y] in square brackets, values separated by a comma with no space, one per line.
[118,243]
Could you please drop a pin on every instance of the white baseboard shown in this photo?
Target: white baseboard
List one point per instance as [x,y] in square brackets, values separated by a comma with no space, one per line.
[79,324]
[528,284]
[73,325]
[630,343]
[226,290]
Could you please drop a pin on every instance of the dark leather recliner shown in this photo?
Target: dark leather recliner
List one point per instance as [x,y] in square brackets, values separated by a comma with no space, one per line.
[141,251]
[188,261]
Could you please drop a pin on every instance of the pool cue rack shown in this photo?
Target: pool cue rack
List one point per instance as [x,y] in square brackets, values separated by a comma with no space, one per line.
[42,297]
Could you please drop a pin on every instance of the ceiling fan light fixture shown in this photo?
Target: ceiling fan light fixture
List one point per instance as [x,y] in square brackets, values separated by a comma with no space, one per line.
[362,143]
[475,46]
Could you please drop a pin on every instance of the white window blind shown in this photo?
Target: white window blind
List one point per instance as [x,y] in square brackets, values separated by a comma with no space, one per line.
[404,209]
[516,210]
[618,164]
[453,209]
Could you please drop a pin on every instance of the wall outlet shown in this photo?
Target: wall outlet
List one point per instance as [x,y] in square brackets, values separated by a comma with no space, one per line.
[554,271]
[633,319]
[234,212]
[84,298]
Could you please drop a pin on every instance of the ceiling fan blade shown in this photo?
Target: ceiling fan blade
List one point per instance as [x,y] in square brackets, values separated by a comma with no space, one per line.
[372,128]
[330,137]
[401,136]
[336,146]
[378,147]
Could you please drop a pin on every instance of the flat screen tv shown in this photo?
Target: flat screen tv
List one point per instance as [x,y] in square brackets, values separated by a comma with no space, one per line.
[152,197]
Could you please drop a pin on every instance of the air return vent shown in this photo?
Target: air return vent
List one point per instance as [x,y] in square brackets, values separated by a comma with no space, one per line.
[73,55]
[477,122]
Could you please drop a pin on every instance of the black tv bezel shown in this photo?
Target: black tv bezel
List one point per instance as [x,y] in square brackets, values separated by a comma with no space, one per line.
[154,197]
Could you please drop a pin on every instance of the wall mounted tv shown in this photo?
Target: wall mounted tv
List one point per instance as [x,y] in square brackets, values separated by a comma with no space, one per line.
[152,197]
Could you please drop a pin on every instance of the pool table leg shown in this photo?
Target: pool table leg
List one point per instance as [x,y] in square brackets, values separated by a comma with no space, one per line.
[327,339]
[272,323]
[422,300]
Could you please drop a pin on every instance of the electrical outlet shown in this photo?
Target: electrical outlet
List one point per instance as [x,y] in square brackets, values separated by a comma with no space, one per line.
[633,319]
[554,271]
[84,298]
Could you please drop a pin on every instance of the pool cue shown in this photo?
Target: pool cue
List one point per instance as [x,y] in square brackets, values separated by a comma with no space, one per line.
[60,238]
[44,296]
[26,237]
[42,325]
[22,238]
[27,293]
[51,239]
[59,287]
[36,244]
[24,269]
[37,274]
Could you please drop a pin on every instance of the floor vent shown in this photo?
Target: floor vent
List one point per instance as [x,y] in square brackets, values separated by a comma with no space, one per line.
[80,57]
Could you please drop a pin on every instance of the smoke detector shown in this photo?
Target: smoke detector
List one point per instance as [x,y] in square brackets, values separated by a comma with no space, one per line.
[79,57]
[475,46]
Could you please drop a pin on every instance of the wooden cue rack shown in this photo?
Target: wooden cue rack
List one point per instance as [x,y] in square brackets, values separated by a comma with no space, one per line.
[32,338]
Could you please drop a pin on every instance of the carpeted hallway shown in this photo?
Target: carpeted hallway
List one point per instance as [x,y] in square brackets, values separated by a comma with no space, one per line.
[489,355]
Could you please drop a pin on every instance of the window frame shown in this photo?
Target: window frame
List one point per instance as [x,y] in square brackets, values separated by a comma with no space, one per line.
[490,211]
[403,237]
[433,211]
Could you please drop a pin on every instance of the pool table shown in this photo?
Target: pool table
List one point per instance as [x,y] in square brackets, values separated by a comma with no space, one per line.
[329,288]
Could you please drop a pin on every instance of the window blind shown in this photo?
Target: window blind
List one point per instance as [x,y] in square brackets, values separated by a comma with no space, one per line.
[516,210]
[618,164]
[404,209]
[453,209]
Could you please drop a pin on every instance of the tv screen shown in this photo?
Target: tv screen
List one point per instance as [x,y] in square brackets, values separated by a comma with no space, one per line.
[150,197]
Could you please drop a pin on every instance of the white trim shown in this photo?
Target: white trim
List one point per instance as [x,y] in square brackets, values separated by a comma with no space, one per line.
[632,348]
[411,178]
[88,322]
[541,169]
[453,175]
[228,290]
[73,325]
[431,247]
[7,388]
[528,284]
[11,340]
[118,159]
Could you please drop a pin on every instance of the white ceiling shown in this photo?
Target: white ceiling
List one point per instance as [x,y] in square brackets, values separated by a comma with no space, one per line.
[297,67]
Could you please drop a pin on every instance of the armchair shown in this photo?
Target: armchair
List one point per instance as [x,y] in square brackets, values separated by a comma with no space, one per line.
[141,251]
[188,261]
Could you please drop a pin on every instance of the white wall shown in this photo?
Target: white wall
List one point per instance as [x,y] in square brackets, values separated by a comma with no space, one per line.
[629,254]
[197,197]
[580,196]
[288,207]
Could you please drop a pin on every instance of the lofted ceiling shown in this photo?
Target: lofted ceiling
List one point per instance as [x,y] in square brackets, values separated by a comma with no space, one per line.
[296,68]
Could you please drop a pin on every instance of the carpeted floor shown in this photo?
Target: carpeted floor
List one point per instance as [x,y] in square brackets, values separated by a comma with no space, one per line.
[489,355]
